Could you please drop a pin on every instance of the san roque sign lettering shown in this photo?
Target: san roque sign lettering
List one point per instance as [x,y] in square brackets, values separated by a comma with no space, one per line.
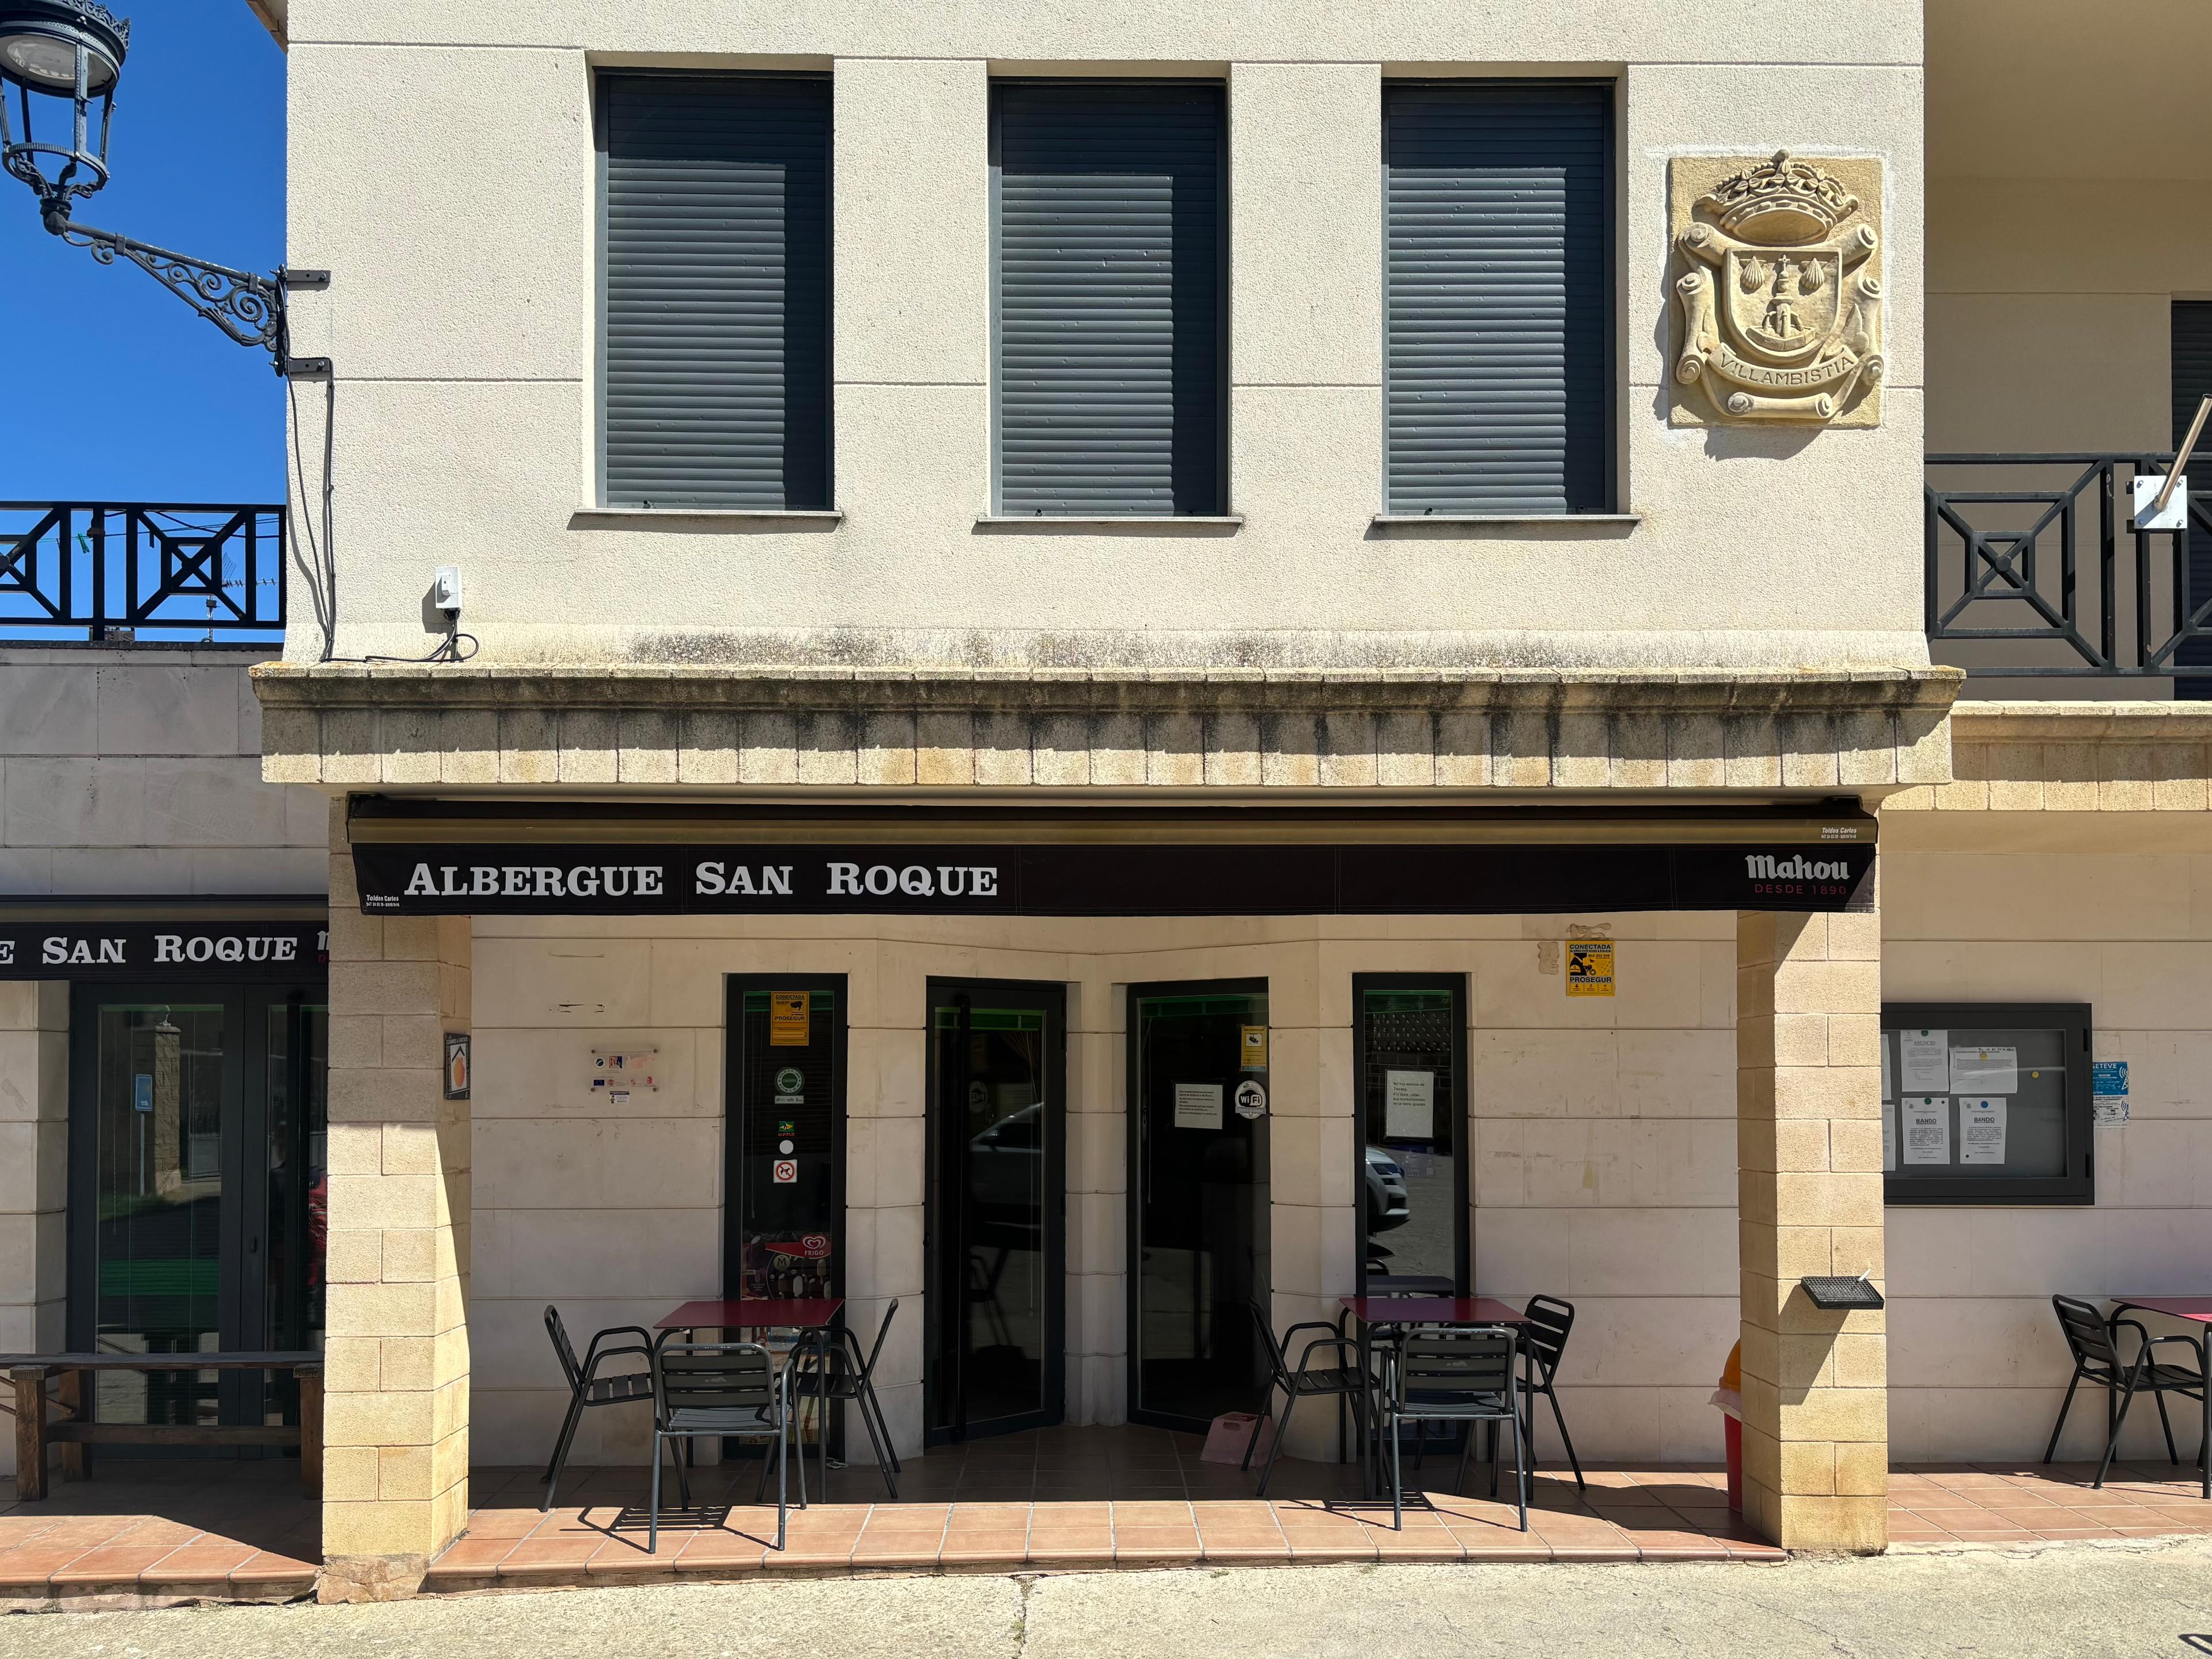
[1102,879]
[163,950]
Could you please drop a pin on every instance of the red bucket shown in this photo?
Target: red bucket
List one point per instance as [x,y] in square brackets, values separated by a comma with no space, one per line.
[1733,1432]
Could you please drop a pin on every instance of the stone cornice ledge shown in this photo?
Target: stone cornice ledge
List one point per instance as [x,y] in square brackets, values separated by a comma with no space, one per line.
[2073,756]
[344,727]
[2081,721]
[332,686]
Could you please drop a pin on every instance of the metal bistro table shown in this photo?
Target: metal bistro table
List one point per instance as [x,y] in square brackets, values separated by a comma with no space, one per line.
[1394,1313]
[811,1318]
[2198,1310]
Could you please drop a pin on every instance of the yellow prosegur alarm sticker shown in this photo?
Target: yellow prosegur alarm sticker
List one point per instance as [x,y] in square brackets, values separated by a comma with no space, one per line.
[787,1019]
[1255,1048]
[1590,968]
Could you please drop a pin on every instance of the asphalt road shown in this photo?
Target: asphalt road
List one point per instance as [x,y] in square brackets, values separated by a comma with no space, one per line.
[2063,1601]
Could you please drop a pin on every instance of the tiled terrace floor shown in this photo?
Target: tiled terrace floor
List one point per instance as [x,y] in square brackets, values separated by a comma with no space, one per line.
[2028,1503]
[1077,1499]
[182,1527]
[1067,1498]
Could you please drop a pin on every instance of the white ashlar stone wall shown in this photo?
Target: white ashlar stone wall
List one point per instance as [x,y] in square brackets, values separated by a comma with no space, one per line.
[1603,1138]
[1603,1132]
[1605,1172]
[2110,908]
[138,771]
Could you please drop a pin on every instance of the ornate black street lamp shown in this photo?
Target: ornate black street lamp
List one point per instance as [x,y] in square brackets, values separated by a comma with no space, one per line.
[62,58]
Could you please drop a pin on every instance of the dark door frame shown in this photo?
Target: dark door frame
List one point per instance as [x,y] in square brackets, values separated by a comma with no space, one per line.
[734,988]
[1463,1233]
[1133,1108]
[1051,998]
[241,1254]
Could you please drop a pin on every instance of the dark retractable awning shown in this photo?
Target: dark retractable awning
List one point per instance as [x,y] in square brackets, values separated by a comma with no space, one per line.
[107,937]
[432,857]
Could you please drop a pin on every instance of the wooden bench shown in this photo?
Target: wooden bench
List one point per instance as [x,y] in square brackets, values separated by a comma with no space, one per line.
[75,1431]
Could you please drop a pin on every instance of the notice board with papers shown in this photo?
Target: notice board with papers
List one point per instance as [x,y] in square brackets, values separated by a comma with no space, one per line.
[1986,1103]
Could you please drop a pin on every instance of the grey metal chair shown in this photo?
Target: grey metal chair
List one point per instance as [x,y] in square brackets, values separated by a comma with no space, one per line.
[1543,1342]
[2094,1340]
[1341,1382]
[1465,1373]
[837,1370]
[587,1389]
[717,1390]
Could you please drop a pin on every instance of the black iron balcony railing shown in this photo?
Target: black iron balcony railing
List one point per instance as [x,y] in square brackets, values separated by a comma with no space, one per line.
[2034,567]
[111,571]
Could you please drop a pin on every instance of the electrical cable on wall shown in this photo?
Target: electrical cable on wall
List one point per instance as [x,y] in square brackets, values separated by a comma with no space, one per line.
[322,571]
[321,553]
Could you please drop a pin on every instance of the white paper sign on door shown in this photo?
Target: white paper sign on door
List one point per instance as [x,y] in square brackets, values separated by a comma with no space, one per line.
[1409,1105]
[1198,1105]
[1927,1130]
[1982,1130]
[1889,1136]
[1985,1071]
[1924,1059]
[1888,1090]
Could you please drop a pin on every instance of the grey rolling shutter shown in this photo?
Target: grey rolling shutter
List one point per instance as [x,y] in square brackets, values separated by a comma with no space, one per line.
[1498,298]
[715,232]
[2193,378]
[1107,203]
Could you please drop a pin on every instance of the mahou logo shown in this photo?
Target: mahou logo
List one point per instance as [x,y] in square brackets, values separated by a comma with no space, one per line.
[1765,866]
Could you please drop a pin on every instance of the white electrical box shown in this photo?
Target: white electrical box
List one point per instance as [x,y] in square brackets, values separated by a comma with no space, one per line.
[2176,515]
[618,1073]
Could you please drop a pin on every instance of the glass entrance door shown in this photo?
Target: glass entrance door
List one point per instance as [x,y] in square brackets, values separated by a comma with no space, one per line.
[1198,1110]
[197,1190]
[783,1230]
[997,1223]
[783,1150]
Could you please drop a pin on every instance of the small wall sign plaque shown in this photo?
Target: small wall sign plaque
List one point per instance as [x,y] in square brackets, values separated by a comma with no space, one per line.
[456,1065]
[1590,968]
[618,1073]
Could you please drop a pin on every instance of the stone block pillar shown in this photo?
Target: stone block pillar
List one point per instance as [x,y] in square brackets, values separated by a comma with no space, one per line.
[33,1170]
[1809,1199]
[396,1428]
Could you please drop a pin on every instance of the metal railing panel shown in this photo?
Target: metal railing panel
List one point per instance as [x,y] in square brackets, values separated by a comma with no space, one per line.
[2005,539]
[175,573]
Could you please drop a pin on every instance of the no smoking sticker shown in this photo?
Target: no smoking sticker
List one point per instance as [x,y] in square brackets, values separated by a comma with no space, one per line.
[787,1172]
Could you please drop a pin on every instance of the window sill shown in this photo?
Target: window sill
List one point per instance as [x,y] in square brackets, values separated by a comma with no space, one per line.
[1509,520]
[585,516]
[1167,525]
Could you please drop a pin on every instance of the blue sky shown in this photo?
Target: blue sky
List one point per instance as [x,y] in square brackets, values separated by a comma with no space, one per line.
[112,389]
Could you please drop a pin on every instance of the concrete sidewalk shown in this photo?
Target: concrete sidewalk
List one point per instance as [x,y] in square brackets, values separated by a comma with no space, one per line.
[2105,1599]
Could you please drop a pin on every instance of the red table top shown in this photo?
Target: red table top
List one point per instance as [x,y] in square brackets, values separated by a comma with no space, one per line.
[1432,1310]
[2198,1308]
[791,1313]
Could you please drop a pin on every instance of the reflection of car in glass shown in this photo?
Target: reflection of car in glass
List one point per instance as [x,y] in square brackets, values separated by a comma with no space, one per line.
[1386,1204]
[1006,1168]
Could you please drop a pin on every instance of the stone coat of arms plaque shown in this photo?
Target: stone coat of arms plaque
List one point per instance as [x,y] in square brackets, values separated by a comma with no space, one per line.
[1776,290]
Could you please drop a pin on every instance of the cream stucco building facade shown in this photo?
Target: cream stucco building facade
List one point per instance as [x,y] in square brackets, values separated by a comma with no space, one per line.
[1605,702]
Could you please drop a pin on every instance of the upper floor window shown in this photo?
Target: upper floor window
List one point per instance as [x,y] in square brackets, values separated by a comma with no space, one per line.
[715,239]
[1497,226]
[1108,262]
